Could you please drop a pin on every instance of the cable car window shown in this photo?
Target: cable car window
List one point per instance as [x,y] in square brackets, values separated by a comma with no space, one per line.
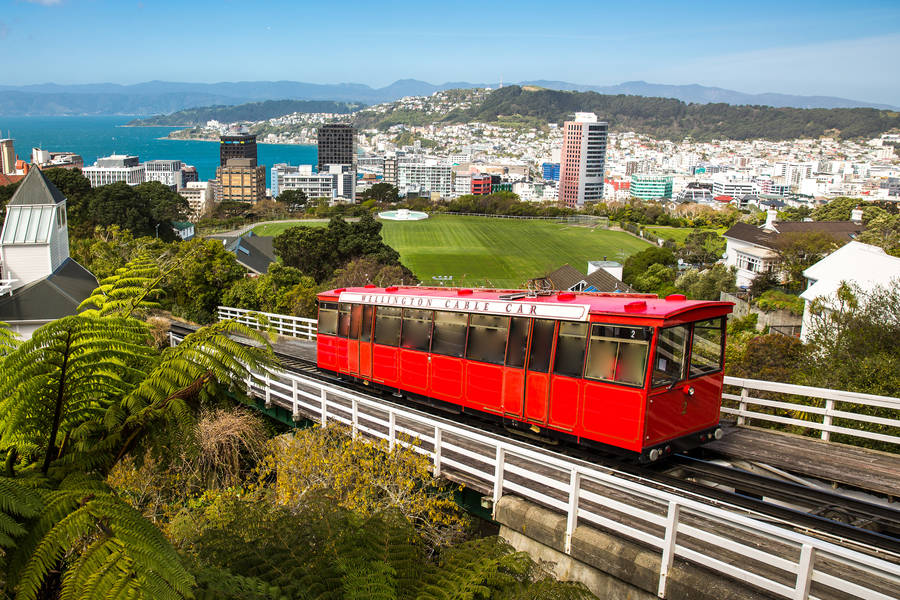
[448,337]
[541,345]
[365,332]
[343,320]
[328,318]
[355,320]
[618,354]
[707,348]
[416,332]
[570,345]
[387,326]
[487,338]
[668,364]
[518,342]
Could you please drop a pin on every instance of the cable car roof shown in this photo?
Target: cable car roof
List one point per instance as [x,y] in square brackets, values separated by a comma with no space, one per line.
[575,306]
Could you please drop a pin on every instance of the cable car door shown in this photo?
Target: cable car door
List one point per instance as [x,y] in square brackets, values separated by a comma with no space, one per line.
[353,339]
[537,376]
[514,367]
[365,341]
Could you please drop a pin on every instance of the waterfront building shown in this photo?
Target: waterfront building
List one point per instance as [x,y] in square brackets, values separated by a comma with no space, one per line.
[166,172]
[44,159]
[114,168]
[237,144]
[188,174]
[242,180]
[432,176]
[371,164]
[337,145]
[648,186]
[583,160]
[315,185]
[344,177]
[733,185]
[7,157]
[462,184]
[550,171]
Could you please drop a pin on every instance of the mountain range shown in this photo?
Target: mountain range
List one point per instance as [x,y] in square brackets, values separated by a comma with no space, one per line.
[161,97]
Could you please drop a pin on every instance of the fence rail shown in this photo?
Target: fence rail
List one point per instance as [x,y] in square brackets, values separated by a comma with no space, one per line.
[770,557]
[283,324]
[793,401]
[849,408]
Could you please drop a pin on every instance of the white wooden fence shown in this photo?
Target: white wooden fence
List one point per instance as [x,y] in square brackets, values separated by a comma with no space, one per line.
[729,541]
[849,406]
[297,327]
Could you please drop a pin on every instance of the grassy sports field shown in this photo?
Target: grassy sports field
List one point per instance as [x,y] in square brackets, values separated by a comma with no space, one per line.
[677,234]
[496,252]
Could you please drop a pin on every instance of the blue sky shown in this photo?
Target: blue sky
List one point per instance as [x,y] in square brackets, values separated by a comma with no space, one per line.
[848,49]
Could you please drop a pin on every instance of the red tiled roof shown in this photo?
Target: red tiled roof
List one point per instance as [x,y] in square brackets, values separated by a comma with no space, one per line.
[9,179]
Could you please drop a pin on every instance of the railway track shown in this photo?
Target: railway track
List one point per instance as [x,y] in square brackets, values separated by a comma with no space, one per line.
[865,526]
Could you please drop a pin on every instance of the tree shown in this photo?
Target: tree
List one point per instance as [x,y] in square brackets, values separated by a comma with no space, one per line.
[658,279]
[701,248]
[707,284]
[854,341]
[838,209]
[83,393]
[362,271]
[799,251]
[884,231]
[204,271]
[165,205]
[318,251]
[120,204]
[383,193]
[636,264]
[294,199]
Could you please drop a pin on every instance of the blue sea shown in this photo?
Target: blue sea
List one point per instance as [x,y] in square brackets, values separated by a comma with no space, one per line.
[93,137]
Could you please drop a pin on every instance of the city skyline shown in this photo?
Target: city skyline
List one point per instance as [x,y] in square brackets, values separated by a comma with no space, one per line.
[824,48]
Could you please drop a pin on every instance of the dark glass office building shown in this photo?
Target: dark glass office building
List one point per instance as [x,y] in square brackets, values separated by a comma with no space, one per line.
[237,145]
[337,146]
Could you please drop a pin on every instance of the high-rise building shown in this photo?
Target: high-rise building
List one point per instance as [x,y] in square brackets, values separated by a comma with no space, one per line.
[425,176]
[237,144]
[390,170]
[242,180]
[116,167]
[337,145]
[550,171]
[199,196]
[315,185]
[7,157]
[582,161]
[167,172]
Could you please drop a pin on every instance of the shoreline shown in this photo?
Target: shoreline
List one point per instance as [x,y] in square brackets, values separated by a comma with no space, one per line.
[171,139]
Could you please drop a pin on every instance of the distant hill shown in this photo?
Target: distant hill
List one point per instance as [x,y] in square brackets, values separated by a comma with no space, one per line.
[252,111]
[158,97]
[662,118]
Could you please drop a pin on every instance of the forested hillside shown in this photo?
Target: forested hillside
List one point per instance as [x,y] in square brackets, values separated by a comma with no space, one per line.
[666,118]
[253,111]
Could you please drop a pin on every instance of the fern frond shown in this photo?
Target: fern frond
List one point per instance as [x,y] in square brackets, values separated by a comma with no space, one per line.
[133,288]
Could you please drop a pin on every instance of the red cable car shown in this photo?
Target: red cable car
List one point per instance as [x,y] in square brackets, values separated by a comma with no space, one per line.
[630,371]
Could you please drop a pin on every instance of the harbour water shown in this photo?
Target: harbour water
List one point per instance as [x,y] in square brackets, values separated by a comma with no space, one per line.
[93,137]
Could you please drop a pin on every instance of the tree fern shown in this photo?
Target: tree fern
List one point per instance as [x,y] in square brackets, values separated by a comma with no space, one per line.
[134,287]
[8,339]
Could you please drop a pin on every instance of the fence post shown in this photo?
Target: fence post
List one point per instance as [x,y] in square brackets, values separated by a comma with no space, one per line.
[572,520]
[498,479]
[268,391]
[741,420]
[804,573]
[668,555]
[437,451]
[324,418]
[295,401]
[392,428]
[827,419]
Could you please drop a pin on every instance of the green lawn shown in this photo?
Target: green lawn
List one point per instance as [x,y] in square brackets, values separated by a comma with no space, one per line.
[273,229]
[496,252]
[677,234]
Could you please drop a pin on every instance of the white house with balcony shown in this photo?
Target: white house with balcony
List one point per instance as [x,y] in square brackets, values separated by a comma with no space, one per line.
[860,265]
